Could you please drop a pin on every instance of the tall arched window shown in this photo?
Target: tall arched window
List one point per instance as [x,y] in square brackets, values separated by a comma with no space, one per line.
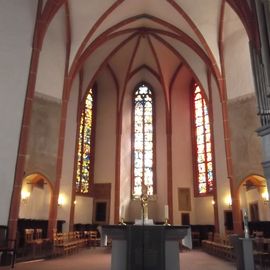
[85,146]
[203,160]
[143,153]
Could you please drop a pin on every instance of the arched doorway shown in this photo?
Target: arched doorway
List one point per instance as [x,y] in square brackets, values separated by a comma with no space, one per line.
[35,205]
[254,197]
[35,197]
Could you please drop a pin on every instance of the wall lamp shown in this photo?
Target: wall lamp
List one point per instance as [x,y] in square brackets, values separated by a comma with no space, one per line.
[228,201]
[61,200]
[25,195]
[265,196]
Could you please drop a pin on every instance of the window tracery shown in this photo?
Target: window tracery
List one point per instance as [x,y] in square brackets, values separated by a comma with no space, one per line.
[85,146]
[204,175]
[143,140]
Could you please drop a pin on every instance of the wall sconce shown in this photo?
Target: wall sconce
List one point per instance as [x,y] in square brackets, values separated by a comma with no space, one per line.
[61,200]
[213,202]
[25,195]
[228,201]
[265,196]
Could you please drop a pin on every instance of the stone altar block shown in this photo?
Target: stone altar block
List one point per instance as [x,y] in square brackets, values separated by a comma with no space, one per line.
[145,247]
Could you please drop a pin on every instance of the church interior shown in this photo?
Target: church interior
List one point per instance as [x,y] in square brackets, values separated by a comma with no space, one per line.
[103,102]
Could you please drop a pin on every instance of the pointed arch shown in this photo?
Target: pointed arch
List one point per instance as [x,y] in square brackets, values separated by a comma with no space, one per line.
[202,144]
[143,140]
[85,154]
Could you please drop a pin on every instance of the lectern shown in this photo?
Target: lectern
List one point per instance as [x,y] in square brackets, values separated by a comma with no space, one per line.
[145,247]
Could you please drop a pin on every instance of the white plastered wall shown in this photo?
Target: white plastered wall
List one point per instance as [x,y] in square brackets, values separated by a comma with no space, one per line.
[248,197]
[192,59]
[84,14]
[97,58]
[17,20]
[238,71]
[105,141]
[161,150]
[168,62]
[51,67]
[83,210]
[207,25]
[37,205]
[222,181]
[182,173]
[127,211]
[203,211]
[120,61]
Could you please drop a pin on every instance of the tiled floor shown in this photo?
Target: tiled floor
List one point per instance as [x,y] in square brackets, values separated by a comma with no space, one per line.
[99,259]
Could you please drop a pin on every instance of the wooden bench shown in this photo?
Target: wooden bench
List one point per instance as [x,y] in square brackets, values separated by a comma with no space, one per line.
[7,246]
[66,243]
[33,242]
[219,247]
[93,239]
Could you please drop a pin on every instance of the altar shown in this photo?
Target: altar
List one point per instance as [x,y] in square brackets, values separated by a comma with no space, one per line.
[151,247]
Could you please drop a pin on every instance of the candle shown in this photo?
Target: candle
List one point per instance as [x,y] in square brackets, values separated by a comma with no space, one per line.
[166,211]
[122,214]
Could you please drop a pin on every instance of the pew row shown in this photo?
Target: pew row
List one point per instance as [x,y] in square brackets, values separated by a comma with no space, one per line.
[219,247]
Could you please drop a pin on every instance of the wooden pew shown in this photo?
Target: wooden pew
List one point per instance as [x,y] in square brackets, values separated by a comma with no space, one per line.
[7,246]
[220,247]
[66,243]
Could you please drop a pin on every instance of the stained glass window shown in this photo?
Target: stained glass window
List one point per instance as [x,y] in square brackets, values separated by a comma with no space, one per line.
[85,142]
[143,140]
[203,145]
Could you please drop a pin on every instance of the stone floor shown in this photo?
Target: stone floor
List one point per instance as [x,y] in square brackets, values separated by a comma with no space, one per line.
[99,259]
[199,260]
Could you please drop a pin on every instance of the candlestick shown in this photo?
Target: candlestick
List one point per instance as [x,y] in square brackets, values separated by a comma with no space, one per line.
[166,223]
[122,222]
